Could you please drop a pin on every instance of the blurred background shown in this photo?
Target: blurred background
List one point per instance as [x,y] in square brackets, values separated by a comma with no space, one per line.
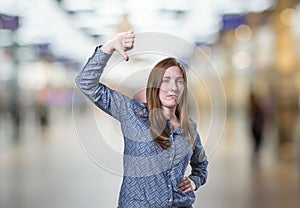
[48,129]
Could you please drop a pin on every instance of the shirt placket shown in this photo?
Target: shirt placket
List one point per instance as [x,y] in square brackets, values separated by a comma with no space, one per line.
[170,164]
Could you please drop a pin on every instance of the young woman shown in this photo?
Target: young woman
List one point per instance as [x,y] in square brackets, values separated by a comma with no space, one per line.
[160,140]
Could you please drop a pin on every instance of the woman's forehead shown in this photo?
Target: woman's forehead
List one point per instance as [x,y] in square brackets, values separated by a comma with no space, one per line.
[173,71]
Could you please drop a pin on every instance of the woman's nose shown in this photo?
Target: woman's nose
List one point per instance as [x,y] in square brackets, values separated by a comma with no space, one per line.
[173,86]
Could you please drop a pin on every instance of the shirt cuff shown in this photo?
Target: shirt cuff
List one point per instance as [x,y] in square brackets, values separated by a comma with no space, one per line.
[99,52]
[196,181]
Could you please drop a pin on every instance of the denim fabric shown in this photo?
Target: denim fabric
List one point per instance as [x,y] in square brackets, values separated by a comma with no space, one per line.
[151,174]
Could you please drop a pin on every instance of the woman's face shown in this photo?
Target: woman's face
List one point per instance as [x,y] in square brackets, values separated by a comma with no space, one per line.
[172,87]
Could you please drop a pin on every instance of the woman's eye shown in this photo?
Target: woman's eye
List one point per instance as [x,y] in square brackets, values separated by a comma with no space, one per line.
[180,81]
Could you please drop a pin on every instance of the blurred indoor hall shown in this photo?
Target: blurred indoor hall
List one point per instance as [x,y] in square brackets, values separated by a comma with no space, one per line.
[55,171]
[243,65]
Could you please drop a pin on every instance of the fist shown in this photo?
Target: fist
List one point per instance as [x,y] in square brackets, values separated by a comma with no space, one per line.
[120,42]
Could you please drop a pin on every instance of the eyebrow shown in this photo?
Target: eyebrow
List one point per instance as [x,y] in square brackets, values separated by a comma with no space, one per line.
[168,77]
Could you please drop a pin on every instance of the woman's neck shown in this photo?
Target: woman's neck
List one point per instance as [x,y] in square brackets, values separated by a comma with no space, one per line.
[169,113]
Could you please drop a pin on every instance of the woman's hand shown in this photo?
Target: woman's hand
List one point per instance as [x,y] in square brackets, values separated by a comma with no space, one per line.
[186,185]
[121,42]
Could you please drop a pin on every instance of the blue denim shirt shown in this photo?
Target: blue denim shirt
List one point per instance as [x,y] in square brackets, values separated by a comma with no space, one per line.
[151,174]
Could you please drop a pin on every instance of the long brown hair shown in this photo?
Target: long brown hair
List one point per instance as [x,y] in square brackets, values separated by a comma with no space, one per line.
[158,123]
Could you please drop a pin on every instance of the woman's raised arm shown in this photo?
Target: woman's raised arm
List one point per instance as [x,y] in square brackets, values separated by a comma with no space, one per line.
[110,101]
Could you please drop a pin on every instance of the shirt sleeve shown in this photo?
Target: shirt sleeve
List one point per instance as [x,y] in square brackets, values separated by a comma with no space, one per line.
[110,101]
[198,163]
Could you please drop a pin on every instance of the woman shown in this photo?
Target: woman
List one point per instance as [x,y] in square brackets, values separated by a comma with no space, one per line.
[159,139]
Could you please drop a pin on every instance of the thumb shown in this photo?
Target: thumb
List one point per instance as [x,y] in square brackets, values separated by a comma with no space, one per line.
[125,56]
[123,53]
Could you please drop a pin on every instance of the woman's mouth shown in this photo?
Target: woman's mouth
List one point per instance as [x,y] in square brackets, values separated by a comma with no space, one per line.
[172,96]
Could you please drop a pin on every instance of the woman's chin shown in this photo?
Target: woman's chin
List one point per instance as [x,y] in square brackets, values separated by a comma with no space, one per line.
[170,104]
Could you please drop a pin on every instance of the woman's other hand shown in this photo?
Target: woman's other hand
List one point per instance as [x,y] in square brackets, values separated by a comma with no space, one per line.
[186,185]
[120,42]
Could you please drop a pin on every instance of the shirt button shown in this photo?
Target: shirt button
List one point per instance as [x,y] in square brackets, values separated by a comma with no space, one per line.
[170,200]
[170,158]
[169,185]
